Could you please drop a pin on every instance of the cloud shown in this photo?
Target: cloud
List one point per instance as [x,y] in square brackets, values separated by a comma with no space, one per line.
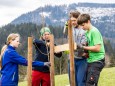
[11,9]
[10,3]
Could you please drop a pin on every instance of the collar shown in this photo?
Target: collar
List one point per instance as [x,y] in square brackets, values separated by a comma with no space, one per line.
[11,47]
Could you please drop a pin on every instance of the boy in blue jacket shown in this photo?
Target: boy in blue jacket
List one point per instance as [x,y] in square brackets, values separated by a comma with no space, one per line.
[10,60]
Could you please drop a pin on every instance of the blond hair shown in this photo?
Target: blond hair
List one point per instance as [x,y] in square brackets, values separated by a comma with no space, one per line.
[10,38]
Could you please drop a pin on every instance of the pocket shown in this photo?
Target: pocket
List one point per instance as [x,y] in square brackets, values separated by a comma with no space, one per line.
[93,76]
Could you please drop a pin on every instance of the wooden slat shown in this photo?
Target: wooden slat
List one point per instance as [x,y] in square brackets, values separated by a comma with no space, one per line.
[52,72]
[71,54]
[29,67]
[64,47]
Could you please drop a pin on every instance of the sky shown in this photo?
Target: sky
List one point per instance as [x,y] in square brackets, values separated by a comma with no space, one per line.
[11,9]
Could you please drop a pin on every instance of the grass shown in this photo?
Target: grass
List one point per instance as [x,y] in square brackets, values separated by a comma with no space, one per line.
[107,78]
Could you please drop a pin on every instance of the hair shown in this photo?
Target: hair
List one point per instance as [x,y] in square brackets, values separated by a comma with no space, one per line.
[10,38]
[83,18]
[74,14]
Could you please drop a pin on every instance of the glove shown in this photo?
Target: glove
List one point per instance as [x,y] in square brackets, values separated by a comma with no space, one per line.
[47,64]
[66,52]
[65,31]
[79,46]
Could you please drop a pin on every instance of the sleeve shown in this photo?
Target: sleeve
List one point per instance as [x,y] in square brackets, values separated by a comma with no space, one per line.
[38,42]
[83,39]
[58,54]
[18,59]
[37,63]
[96,37]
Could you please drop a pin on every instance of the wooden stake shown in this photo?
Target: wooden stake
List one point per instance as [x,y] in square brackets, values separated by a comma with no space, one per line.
[52,72]
[29,67]
[71,54]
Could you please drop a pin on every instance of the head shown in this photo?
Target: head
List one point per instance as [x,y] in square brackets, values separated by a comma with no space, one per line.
[73,17]
[84,21]
[13,40]
[45,33]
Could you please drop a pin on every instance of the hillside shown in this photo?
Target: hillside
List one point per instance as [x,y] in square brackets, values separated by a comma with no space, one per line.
[103,16]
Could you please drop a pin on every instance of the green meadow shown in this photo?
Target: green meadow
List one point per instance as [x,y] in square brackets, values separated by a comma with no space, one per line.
[107,78]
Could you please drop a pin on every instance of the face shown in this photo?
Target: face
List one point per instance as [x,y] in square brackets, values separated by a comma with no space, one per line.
[46,36]
[85,26]
[74,22]
[15,43]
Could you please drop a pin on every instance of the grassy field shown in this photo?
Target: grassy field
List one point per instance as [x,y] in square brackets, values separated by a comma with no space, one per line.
[107,78]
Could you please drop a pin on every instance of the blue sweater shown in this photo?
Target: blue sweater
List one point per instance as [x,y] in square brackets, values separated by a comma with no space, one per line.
[10,61]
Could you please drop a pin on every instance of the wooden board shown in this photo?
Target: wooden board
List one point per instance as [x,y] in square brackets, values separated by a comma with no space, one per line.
[63,47]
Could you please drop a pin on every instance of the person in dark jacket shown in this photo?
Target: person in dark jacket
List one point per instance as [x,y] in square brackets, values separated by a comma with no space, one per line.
[41,75]
[10,60]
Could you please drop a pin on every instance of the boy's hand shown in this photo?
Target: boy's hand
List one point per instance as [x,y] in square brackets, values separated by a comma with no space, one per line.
[79,46]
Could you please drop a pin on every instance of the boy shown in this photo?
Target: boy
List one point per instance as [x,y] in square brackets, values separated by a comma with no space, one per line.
[95,48]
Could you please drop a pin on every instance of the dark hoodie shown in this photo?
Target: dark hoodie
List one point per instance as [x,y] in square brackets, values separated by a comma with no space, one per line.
[42,53]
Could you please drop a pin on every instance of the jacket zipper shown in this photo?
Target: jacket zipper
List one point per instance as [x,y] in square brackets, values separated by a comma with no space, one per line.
[13,76]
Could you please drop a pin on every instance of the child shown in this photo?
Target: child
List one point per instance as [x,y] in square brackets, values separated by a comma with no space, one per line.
[41,75]
[95,48]
[10,60]
[80,61]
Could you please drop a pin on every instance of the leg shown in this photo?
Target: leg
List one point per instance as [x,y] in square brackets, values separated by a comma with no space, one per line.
[46,79]
[81,74]
[36,78]
[76,71]
[69,70]
[93,73]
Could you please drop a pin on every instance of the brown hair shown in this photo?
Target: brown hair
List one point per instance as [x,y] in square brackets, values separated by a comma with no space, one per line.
[74,14]
[10,38]
[83,18]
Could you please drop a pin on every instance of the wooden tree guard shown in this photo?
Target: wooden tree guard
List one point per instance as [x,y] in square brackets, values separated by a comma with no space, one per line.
[29,67]
[71,54]
[52,72]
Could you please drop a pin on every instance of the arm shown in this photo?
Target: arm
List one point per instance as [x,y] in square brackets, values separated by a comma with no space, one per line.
[37,63]
[38,42]
[18,59]
[58,54]
[95,43]
[95,48]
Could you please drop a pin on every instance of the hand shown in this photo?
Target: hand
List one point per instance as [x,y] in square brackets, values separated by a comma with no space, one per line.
[79,46]
[47,64]
[48,44]
[65,31]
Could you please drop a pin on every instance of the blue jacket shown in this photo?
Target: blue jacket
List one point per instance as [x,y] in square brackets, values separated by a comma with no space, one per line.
[10,61]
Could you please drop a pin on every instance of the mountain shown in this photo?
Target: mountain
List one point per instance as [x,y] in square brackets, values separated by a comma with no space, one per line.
[57,15]
[102,16]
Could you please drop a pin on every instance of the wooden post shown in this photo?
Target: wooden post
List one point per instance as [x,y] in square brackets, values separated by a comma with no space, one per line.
[71,54]
[52,72]
[29,67]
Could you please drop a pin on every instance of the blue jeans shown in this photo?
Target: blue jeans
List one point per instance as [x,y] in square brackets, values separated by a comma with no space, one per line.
[80,71]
